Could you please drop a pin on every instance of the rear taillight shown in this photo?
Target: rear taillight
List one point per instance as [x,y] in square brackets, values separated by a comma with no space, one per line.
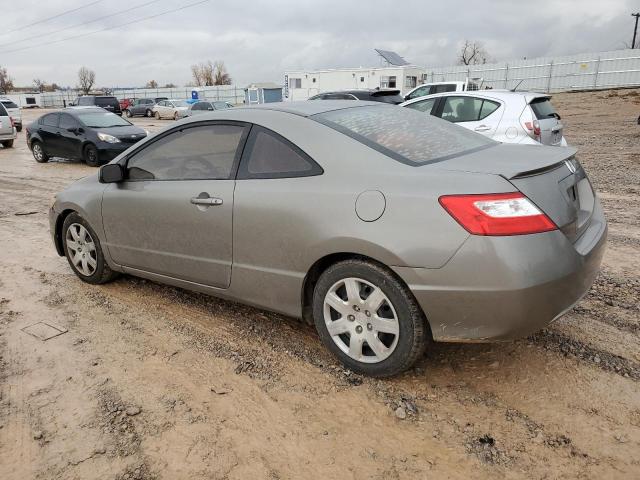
[12,122]
[533,129]
[497,214]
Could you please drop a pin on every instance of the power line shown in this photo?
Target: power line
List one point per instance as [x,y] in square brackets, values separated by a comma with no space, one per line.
[51,18]
[78,24]
[107,28]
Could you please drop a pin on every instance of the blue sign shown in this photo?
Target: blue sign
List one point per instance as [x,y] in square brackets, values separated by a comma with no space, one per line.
[194,94]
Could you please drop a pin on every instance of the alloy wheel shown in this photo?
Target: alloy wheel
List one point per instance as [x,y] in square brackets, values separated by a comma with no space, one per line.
[37,152]
[361,320]
[81,249]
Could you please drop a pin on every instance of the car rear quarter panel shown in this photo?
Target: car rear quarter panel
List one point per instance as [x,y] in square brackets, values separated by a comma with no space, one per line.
[283,226]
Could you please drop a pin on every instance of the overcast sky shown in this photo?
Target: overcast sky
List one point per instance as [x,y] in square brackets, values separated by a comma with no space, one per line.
[259,40]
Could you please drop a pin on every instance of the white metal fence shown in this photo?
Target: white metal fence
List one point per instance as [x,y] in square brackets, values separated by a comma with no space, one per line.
[227,93]
[585,71]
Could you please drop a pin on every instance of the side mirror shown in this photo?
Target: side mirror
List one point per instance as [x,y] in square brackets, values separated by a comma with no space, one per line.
[111,173]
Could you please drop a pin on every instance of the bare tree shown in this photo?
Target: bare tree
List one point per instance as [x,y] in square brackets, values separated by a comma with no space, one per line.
[6,82]
[472,53]
[152,84]
[221,76]
[40,85]
[203,74]
[86,78]
[170,85]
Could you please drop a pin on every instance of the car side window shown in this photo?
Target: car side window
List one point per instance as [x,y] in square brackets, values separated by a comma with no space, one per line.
[67,121]
[461,109]
[84,101]
[449,87]
[197,153]
[488,107]
[269,155]
[423,106]
[50,120]
[420,92]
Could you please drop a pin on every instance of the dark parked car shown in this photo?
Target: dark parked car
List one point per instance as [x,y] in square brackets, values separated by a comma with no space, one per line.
[143,107]
[87,133]
[204,107]
[376,95]
[109,103]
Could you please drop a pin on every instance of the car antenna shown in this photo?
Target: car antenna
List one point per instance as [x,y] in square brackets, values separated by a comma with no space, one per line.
[515,88]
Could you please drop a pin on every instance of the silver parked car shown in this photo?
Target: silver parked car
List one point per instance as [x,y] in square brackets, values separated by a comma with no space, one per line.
[14,112]
[381,225]
[7,129]
[503,115]
[206,106]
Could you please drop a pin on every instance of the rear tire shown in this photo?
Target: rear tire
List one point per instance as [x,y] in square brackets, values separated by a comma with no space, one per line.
[128,113]
[83,251]
[175,116]
[7,143]
[148,113]
[380,335]
[38,152]
[157,115]
[19,129]
[90,155]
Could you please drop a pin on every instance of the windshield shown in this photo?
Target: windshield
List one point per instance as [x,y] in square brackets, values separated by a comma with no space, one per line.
[102,119]
[9,104]
[220,105]
[406,135]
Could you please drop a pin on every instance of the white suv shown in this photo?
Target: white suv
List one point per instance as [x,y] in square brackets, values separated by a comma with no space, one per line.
[7,130]
[503,115]
[14,112]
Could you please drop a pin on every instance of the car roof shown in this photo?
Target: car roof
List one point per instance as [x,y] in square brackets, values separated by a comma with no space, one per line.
[306,108]
[491,93]
[85,108]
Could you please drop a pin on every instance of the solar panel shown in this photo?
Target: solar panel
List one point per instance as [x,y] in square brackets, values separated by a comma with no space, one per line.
[392,58]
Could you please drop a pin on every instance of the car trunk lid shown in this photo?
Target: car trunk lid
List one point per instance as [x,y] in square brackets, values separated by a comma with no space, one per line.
[550,177]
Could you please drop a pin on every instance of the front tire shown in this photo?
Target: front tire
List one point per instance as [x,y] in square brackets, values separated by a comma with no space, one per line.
[148,113]
[19,128]
[157,115]
[128,113]
[368,319]
[90,155]
[38,152]
[7,144]
[84,252]
[175,116]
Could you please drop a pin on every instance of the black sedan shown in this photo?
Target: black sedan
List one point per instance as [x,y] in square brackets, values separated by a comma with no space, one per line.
[87,133]
[384,95]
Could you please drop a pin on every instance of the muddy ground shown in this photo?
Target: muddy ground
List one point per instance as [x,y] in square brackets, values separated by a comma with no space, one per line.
[152,382]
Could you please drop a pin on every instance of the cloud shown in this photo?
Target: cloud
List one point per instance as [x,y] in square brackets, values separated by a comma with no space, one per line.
[259,40]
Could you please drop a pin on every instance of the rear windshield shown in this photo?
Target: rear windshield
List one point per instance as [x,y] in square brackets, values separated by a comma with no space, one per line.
[220,105]
[9,104]
[106,100]
[102,119]
[387,97]
[406,135]
[543,109]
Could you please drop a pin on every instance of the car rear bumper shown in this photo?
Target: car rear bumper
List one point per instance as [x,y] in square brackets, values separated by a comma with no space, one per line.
[8,136]
[502,288]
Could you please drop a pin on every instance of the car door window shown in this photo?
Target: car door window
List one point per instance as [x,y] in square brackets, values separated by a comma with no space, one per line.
[67,121]
[50,120]
[450,87]
[196,153]
[269,155]
[423,106]
[461,109]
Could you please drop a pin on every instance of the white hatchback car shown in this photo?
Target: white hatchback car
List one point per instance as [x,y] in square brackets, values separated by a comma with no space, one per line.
[175,109]
[503,115]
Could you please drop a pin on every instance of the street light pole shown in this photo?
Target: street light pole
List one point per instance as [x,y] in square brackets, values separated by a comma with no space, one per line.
[635,30]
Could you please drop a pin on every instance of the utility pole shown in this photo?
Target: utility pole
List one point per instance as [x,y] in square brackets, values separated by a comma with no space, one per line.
[635,30]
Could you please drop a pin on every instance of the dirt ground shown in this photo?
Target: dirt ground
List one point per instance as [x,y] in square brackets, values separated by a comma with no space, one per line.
[152,382]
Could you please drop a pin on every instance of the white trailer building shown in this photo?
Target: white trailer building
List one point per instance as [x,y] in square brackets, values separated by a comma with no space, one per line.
[397,73]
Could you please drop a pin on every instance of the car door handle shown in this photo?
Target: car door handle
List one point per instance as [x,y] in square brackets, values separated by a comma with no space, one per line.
[206,201]
[482,128]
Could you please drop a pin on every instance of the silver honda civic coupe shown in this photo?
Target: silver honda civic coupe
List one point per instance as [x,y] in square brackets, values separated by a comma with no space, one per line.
[382,226]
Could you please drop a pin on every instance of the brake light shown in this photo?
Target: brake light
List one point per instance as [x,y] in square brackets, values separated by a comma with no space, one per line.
[533,129]
[497,214]
[12,122]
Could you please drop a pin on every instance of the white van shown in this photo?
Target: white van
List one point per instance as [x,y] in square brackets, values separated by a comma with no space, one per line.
[440,87]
